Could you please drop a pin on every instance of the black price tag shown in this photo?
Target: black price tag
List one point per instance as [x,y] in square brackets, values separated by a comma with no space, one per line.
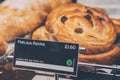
[48,56]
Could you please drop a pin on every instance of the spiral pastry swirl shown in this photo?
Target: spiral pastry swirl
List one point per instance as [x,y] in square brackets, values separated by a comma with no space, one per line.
[83,25]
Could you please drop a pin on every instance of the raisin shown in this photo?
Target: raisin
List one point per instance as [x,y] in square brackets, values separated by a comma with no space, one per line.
[77,10]
[101,19]
[89,11]
[88,17]
[63,19]
[79,30]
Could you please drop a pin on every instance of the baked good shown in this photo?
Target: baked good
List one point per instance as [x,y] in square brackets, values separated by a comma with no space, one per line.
[89,27]
[83,25]
[108,57]
[16,23]
[41,34]
[39,5]
[115,21]
[19,17]
[101,10]
[3,46]
[52,4]
[117,25]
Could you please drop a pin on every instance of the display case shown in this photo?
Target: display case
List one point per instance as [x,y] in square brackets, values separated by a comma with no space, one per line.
[87,70]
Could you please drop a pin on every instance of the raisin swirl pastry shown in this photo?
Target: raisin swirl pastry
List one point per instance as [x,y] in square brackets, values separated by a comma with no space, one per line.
[117,25]
[83,25]
[86,26]
[107,57]
[41,34]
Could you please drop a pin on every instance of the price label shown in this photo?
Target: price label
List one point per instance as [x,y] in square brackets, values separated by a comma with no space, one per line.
[48,56]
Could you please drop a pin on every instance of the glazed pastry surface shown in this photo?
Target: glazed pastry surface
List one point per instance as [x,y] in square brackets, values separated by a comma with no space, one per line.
[89,27]
[83,25]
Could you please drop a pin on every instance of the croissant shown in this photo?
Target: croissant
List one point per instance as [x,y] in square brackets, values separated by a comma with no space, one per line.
[15,23]
[86,26]
[19,17]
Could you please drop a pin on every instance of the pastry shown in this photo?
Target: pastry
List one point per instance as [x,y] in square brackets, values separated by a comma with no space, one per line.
[115,21]
[101,10]
[41,34]
[89,27]
[83,25]
[108,57]
[39,5]
[19,17]
[117,25]
[51,4]
[3,46]
[16,23]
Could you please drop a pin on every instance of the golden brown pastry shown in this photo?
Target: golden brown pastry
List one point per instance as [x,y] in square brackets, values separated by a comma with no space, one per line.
[16,23]
[115,21]
[108,57]
[83,25]
[51,4]
[19,17]
[3,46]
[117,25]
[41,34]
[44,5]
[86,26]
[101,10]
